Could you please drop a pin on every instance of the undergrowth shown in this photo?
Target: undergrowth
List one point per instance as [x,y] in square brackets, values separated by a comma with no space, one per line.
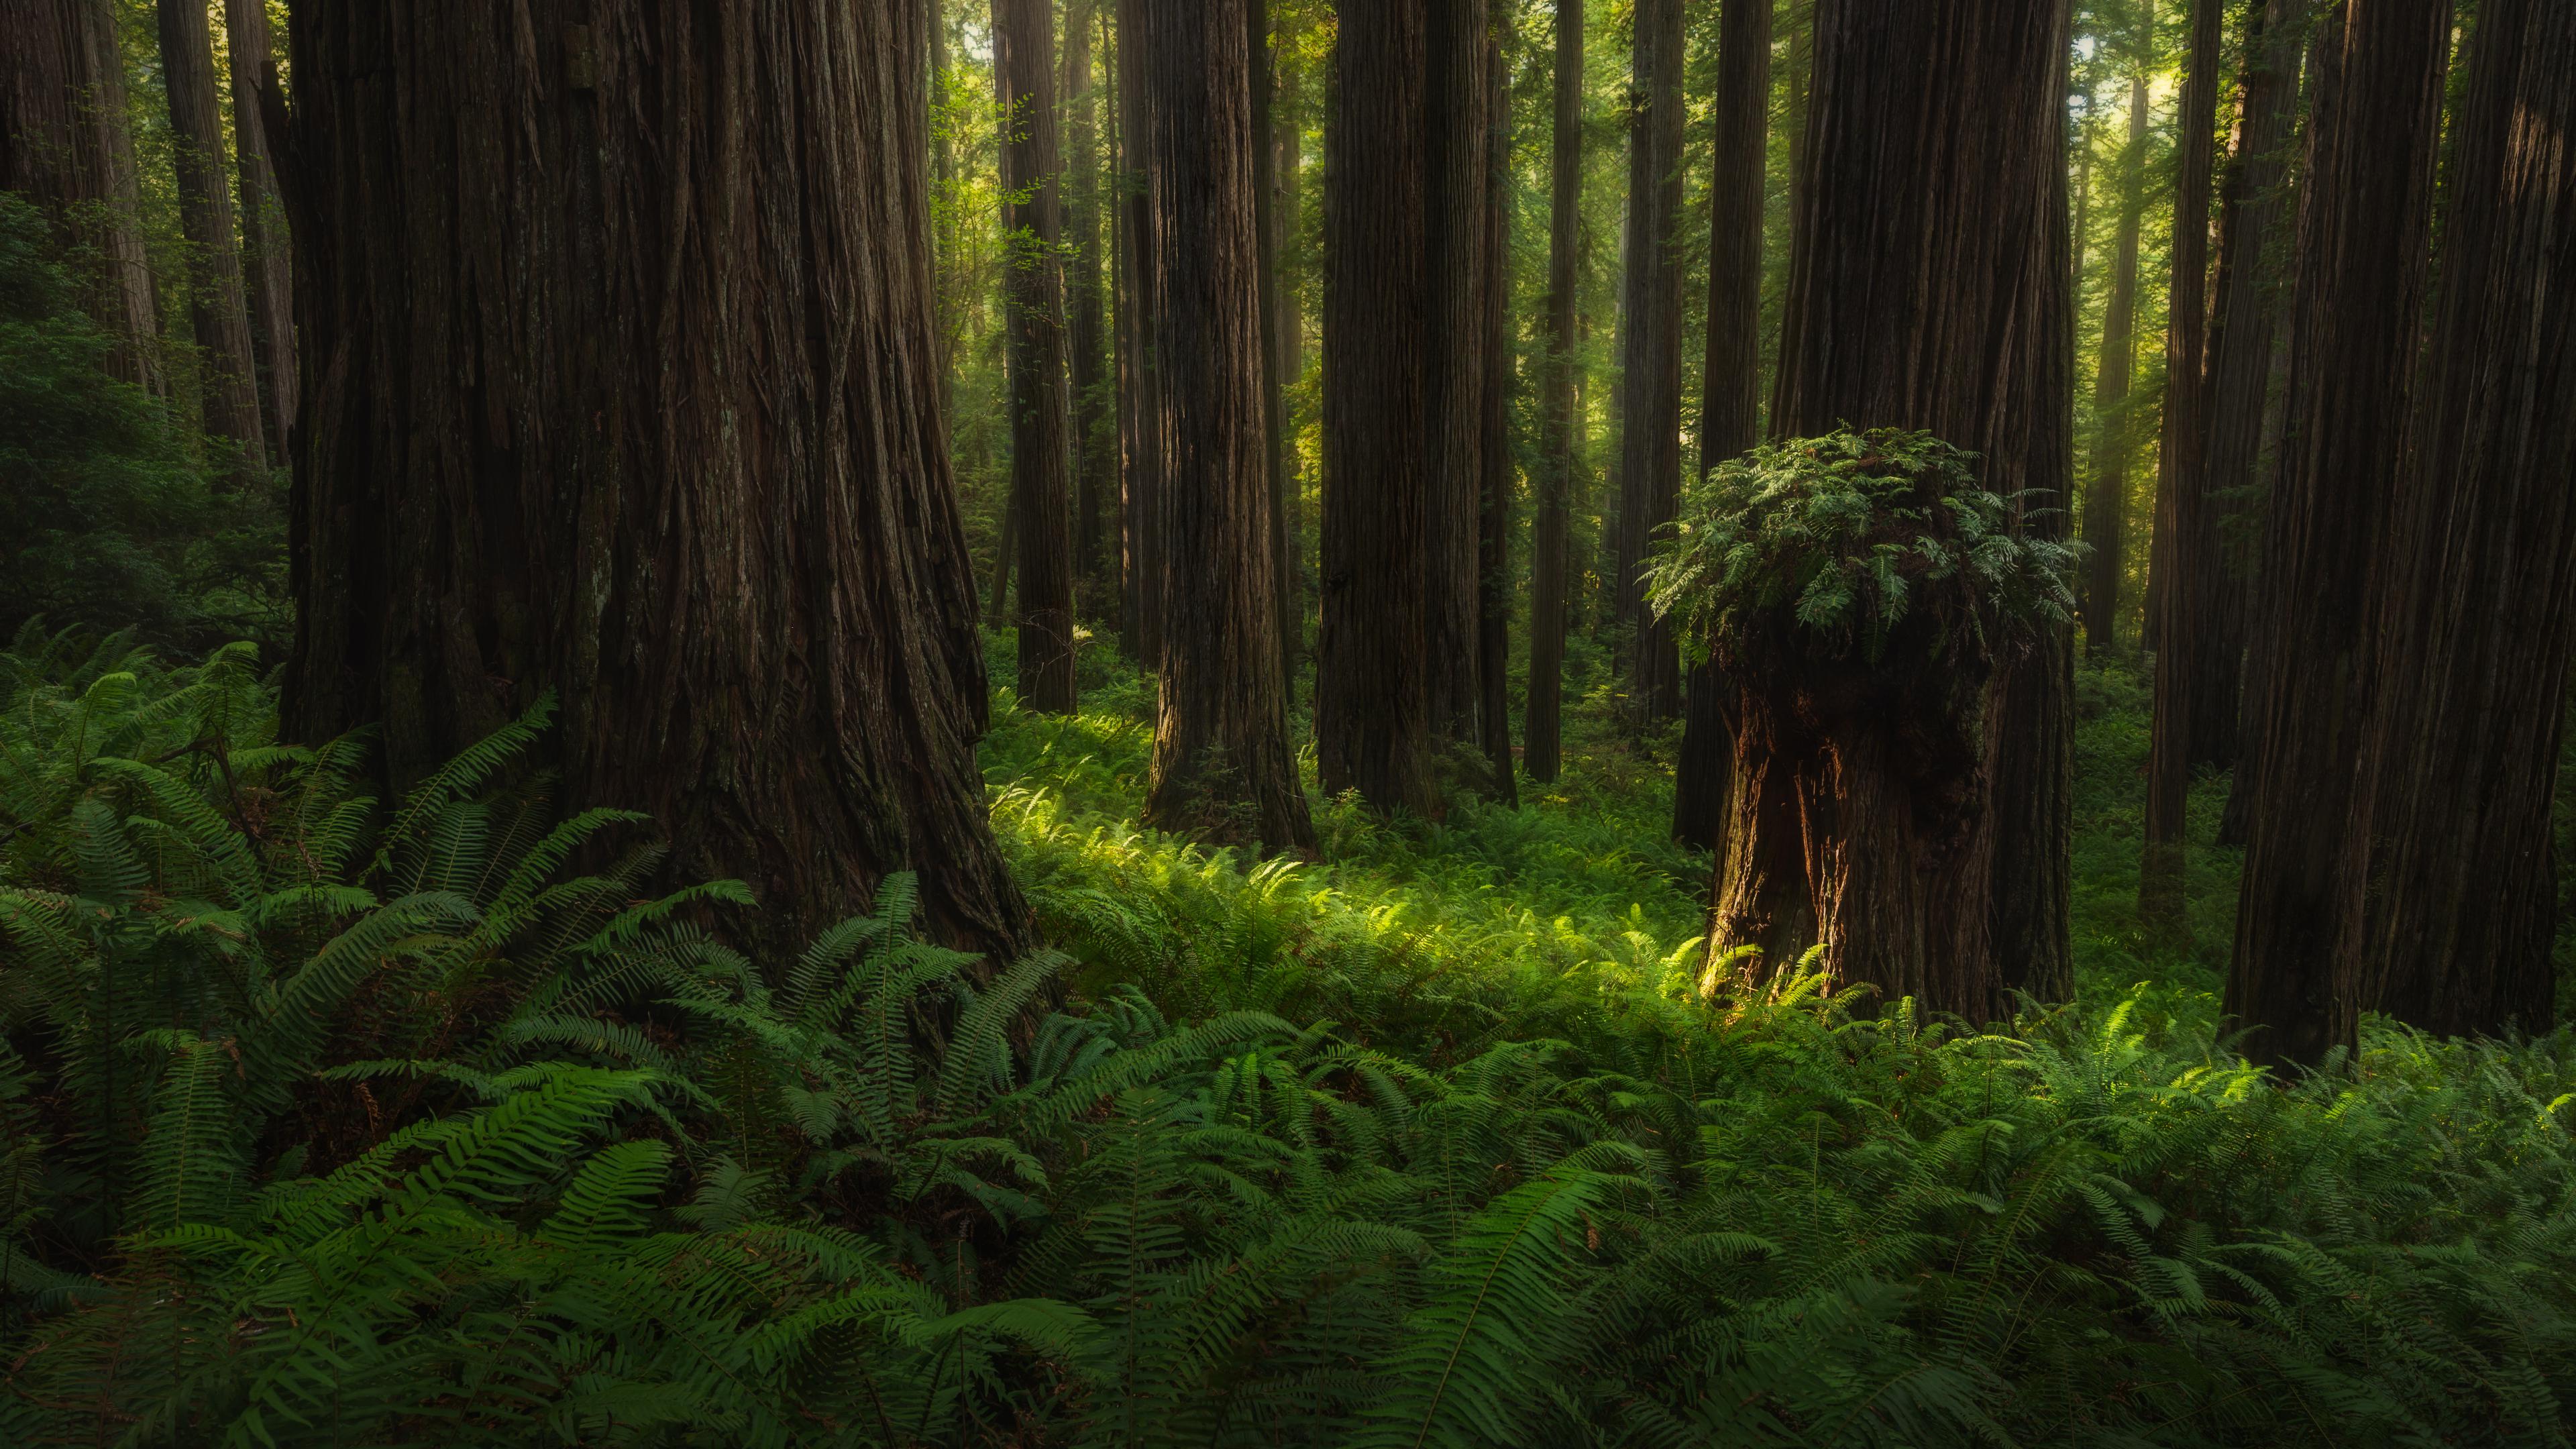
[331,1121]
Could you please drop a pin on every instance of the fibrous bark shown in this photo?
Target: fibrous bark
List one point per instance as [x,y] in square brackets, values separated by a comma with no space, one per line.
[1730,415]
[1033,316]
[620,382]
[1454,160]
[2106,497]
[1095,436]
[1541,727]
[2365,213]
[1372,727]
[268,259]
[1859,810]
[2447,918]
[1140,383]
[1494,493]
[1650,460]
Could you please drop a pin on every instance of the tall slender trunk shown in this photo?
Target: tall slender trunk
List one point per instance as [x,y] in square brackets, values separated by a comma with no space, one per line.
[1288,359]
[268,260]
[946,312]
[2182,498]
[2106,499]
[65,146]
[1650,460]
[1453,422]
[1372,728]
[1033,298]
[215,302]
[1222,766]
[1274,402]
[1494,494]
[2450,880]
[2364,217]
[1731,372]
[1140,378]
[764,635]
[1541,727]
[1095,434]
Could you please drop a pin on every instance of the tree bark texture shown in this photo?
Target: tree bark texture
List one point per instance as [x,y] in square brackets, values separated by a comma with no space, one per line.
[1095,433]
[1455,135]
[1494,491]
[2448,920]
[2106,497]
[1033,307]
[229,374]
[1916,299]
[1650,459]
[1288,359]
[620,382]
[65,146]
[268,256]
[1222,766]
[1372,725]
[2364,218]
[1140,378]
[1730,415]
[2183,504]
[1542,730]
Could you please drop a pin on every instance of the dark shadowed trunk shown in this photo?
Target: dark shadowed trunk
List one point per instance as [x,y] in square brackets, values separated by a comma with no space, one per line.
[1095,433]
[2448,920]
[2364,215]
[2183,503]
[1542,726]
[268,258]
[1288,359]
[1222,766]
[65,146]
[216,306]
[1372,729]
[2106,496]
[1650,458]
[1140,381]
[1454,134]
[1033,304]
[1274,398]
[1494,493]
[1730,415]
[765,635]
[1859,817]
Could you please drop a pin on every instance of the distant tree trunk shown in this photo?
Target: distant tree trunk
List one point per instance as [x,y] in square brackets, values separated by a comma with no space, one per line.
[268,259]
[1095,434]
[1541,726]
[1222,767]
[1372,727]
[997,606]
[1140,378]
[1829,838]
[65,146]
[2106,500]
[1494,495]
[1288,359]
[945,312]
[2364,217]
[2450,883]
[2237,389]
[1802,65]
[1650,459]
[2183,503]
[215,302]
[1453,426]
[1033,303]
[762,634]
[1274,400]
[2083,201]
[1731,373]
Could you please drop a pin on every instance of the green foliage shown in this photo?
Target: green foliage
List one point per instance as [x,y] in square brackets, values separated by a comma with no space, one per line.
[1850,534]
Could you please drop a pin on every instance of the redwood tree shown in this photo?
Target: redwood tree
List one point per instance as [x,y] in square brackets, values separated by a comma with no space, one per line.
[230,375]
[1494,490]
[1033,302]
[1542,720]
[2450,883]
[620,382]
[1095,436]
[1140,382]
[2106,496]
[2373,139]
[1372,727]
[1453,208]
[1730,414]
[1222,765]
[1650,459]
[268,260]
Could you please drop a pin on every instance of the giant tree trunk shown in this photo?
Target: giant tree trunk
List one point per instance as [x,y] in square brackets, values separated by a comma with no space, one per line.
[1731,374]
[2372,144]
[1454,134]
[1494,493]
[2106,497]
[230,375]
[65,146]
[1372,727]
[620,383]
[1650,459]
[1033,304]
[268,259]
[1222,766]
[1859,818]
[2450,884]
[2183,504]
[1095,436]
[1542,720]
[2237,391]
